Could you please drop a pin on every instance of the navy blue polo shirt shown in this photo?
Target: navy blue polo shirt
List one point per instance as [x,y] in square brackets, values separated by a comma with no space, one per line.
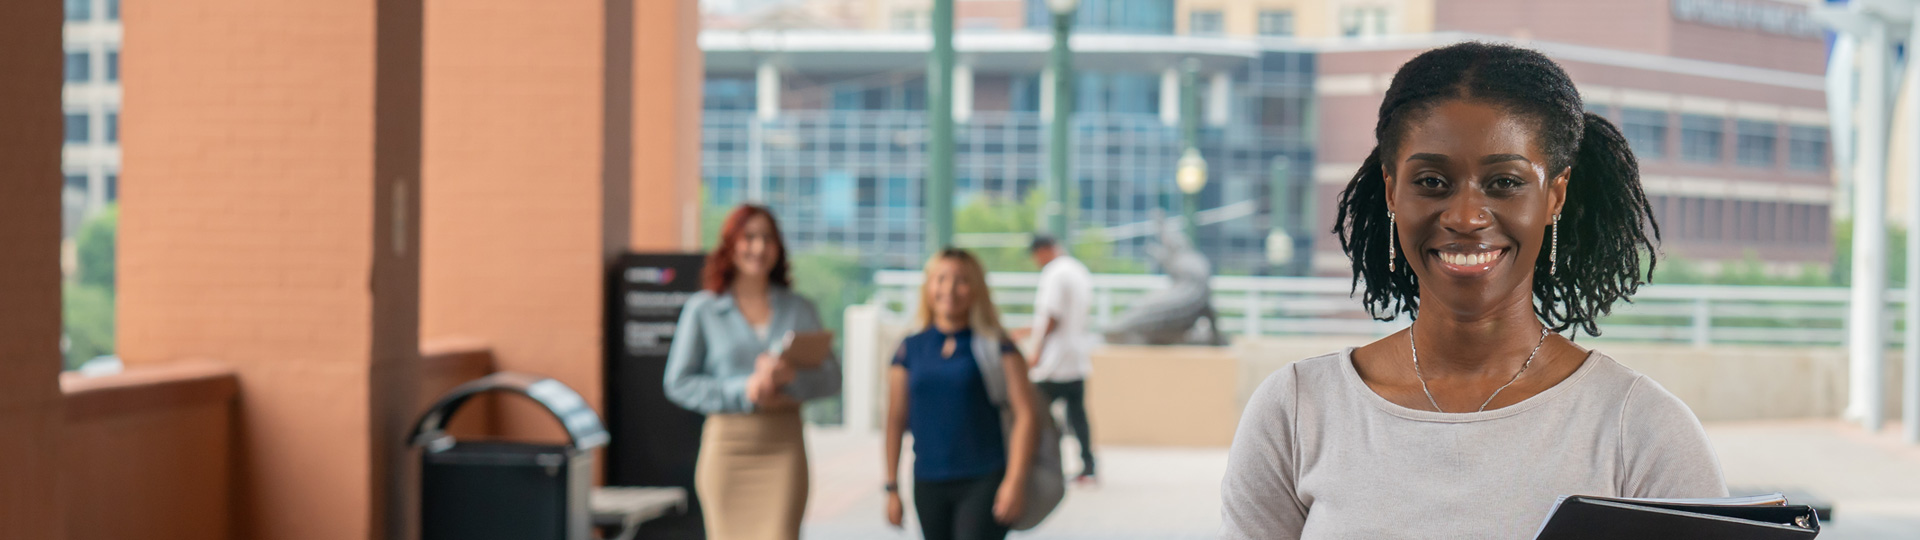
[956,429]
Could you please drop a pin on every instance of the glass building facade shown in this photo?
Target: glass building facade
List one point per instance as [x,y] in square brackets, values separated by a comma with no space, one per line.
[1109,16]
[843,163]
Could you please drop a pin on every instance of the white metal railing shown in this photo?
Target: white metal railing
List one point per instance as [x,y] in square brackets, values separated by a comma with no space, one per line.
[1698,314]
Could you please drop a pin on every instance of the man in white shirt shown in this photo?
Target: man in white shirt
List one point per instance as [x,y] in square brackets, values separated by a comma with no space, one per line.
[1060,360]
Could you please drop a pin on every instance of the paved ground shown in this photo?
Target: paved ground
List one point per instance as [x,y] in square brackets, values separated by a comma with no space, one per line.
[1172,494]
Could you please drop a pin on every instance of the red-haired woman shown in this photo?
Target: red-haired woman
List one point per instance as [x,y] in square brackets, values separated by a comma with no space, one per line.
[751,476]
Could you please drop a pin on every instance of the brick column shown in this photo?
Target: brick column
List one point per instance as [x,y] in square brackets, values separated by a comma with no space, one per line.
[525,148]
[30,403]
[270,221]
[669,72]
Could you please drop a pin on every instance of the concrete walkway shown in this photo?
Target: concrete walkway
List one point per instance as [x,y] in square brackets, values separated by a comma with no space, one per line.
[1173,494]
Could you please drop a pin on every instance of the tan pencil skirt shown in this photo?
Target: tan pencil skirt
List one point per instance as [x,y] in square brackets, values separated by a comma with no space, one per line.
[752,476]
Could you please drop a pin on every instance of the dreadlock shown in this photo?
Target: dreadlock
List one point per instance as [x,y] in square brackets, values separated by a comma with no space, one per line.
[1605,221]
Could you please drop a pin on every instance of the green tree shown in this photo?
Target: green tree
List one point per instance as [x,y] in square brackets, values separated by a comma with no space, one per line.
[998,215]
[96,249]
[87,313]
[87,302]
[1843,254]
[833,278]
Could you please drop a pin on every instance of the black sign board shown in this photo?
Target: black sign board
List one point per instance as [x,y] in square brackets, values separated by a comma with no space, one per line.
[654,442]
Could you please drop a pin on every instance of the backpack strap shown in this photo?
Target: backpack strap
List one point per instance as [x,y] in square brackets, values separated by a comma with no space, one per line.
[986,353]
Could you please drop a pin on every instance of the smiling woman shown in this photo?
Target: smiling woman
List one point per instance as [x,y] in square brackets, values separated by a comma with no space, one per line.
[1474,419]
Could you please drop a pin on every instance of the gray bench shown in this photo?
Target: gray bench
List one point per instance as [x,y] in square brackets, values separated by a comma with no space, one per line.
[619,511]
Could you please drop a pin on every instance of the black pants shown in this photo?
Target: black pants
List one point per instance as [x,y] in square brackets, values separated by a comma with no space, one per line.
[959,509]
[1075,392]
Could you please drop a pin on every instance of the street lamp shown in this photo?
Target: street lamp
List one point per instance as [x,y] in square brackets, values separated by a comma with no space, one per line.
[1058,149]
[1190,175]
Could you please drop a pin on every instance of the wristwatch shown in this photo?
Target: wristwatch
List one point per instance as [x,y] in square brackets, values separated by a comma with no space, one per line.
[891,487]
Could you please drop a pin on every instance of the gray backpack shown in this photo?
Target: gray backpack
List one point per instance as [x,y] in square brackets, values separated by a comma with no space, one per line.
[1046,482]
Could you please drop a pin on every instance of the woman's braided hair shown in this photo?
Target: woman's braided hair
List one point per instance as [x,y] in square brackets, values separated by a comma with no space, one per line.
[1606,221]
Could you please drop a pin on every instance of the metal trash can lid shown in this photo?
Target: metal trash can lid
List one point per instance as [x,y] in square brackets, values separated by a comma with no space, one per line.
[582,424]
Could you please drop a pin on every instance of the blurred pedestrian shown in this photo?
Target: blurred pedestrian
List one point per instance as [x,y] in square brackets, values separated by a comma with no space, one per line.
[1061,354]
[751,476]
[970,473]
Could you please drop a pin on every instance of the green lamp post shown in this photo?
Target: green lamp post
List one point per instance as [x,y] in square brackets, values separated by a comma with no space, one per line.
[1059,147]
[939,186]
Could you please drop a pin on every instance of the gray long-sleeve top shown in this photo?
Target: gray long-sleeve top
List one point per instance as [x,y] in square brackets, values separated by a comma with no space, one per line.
[1319,455]
[714,349]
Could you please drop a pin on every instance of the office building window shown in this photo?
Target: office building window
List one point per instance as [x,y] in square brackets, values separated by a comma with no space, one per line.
[79,10]
[1120,16]
[729,94]
[1205,23]
[723,191]
[113,127]
[1363,21]
[77,181]
[1806,148]
[899,192]
[1700,137]
[909,20]
[77,128]
[1646,132]
[113,66]
[1276,22]
[1756,142]
[113,187]
[113,10]
[1602,110]
[79,66]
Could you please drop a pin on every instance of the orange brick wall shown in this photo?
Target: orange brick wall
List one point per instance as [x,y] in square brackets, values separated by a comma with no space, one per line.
[514,219]
[269,221]
[668,74]
[30,409]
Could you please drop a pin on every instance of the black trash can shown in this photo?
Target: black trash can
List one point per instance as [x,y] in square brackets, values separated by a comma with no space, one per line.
[483,490]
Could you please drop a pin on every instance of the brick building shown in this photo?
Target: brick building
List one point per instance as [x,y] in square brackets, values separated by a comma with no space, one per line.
[1723,101]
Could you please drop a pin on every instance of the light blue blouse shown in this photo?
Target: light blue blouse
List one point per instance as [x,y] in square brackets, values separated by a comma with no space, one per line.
[714,349]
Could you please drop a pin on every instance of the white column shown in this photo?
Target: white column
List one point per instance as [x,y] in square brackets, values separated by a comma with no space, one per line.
[861,386]
[1840,100]
[766,108]
[1170,97]
[1910,410]
[1219,98]
[1866,330]
[962,92]
[767,91]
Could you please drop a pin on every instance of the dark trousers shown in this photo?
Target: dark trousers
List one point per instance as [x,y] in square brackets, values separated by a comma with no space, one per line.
[1075,392]
[959,509]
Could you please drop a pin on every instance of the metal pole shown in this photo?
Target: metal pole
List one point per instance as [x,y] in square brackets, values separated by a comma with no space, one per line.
[1190,139]
[1059,146]
[1279,206]
[1867,307]
[939,185]
[1702,322]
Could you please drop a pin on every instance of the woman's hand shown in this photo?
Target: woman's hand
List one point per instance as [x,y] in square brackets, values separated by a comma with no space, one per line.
[776,371]
[1010,501]
[896,513]
[766,396]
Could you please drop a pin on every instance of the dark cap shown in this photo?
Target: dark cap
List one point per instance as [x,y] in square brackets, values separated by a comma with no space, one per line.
[1040,241]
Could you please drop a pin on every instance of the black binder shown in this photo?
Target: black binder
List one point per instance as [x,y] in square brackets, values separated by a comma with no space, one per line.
[1581,517]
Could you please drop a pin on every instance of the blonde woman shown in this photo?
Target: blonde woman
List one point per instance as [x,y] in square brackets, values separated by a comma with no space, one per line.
[969,482]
